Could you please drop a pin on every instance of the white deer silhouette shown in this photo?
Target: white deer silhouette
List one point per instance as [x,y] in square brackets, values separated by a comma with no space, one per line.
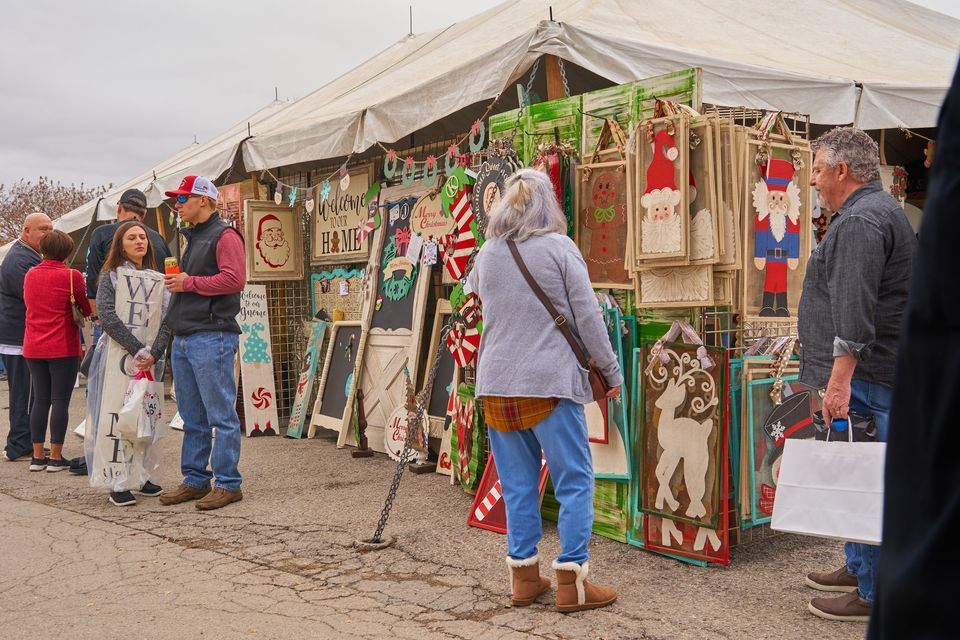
[681,439]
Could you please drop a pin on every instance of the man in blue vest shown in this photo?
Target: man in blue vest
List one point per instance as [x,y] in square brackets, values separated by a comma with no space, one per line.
[202,317]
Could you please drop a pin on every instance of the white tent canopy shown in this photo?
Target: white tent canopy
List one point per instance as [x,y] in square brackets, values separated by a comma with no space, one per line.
[876,63]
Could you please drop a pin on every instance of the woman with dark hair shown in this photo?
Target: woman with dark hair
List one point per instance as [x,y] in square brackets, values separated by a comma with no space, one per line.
[51,345]
[130,251]
[533,389]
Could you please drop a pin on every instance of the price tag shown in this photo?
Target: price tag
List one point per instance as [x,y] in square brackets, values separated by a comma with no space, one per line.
[414,247]
[344,288]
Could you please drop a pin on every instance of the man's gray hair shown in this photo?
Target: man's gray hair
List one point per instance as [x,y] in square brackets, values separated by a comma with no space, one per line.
[853,147]
[529,207]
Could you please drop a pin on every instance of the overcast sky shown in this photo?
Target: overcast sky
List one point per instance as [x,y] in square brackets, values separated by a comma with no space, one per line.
[97,91]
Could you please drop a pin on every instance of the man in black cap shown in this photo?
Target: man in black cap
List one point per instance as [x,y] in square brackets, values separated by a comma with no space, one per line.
[131,206]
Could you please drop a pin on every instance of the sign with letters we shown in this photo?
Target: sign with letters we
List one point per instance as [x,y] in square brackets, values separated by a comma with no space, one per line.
[118,457]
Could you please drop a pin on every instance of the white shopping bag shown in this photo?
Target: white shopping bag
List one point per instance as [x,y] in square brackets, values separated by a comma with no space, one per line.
[831,490]
[140,414]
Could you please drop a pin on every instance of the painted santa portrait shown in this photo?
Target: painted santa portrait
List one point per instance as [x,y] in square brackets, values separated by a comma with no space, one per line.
[273,247]
[660,227]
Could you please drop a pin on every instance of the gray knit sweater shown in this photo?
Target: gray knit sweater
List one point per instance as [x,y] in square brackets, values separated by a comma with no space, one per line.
[522,352]
[114,327]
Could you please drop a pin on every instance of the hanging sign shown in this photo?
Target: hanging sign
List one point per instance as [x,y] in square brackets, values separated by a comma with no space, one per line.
[428,219]
[337,219]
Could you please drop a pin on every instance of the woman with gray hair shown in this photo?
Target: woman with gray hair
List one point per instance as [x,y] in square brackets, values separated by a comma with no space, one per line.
[533,388]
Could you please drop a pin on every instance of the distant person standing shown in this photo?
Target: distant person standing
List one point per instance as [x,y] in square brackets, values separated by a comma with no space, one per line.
[51,345]
[131,206]
[202,318]
[22,256]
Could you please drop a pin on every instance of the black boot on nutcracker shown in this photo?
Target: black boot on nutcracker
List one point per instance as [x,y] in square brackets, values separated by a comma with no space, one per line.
[767,308]
[780,306]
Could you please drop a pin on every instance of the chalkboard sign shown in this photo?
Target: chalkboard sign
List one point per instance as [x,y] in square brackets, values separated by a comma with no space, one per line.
[337,385]
[396,273]
[439,394]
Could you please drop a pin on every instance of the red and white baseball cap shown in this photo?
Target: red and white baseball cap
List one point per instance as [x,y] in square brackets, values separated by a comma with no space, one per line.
[194,186]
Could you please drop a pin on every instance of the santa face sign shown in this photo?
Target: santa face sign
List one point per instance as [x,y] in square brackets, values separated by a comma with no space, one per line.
[663,230]
[274,247]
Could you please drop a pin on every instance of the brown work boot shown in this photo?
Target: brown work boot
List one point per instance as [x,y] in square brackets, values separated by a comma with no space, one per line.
[848,607]
[839,580]
[574,593]
[217,498]
[183,493]
[527,583]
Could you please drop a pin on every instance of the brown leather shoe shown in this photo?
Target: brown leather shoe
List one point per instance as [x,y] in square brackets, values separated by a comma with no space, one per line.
[839,580]
[574,593]
[217,498]
[848,607]
[527,583]
[183,493]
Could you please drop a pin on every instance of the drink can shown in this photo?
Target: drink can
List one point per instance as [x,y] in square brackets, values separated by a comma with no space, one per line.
[171,266]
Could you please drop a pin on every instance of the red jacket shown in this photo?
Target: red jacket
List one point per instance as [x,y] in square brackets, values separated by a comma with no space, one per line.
[50,331]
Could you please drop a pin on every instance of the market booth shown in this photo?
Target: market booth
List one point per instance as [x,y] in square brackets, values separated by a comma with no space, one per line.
[666,134]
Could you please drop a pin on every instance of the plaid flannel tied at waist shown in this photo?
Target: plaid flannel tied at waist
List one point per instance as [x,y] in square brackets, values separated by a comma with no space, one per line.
[516,414]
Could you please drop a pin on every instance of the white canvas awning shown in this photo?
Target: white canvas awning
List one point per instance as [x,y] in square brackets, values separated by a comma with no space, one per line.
[877,63]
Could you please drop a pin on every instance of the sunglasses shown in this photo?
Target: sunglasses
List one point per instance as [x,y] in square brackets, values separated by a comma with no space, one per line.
[183,199]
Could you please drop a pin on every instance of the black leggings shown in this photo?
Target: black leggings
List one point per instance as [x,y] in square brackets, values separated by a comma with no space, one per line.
[53,381]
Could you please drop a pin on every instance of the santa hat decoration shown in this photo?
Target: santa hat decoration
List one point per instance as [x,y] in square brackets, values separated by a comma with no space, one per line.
[777,173]
[660,171]
[265,219]
[693,187]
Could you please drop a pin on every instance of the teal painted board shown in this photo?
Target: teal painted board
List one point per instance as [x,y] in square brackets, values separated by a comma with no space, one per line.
[611,458]
[759,406]
[308,375]
[736,394]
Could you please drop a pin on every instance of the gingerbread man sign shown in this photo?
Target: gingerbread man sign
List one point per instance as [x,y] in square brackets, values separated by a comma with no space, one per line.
[604,213]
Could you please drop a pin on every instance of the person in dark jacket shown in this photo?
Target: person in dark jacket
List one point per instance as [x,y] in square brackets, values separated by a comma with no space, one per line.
[202,318]
[131,206]
[854,296]
[916,588]
[22,256]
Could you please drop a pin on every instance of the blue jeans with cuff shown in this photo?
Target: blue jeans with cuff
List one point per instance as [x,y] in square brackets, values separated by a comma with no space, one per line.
[206,399]
[863,560]
[563,438]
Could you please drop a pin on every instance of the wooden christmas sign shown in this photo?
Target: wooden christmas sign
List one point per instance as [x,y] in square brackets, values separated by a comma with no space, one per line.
[660,198]
[337,219]
[256,363]
[274,242]
[338,387]
[308,372]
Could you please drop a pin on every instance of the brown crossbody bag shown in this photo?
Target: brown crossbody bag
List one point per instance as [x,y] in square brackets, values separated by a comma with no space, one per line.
[598,383]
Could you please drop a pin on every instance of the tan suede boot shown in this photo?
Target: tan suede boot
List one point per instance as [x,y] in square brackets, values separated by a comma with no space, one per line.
[527,583]
[574,593]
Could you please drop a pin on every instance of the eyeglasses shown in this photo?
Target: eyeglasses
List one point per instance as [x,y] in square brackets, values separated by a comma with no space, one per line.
[183,199]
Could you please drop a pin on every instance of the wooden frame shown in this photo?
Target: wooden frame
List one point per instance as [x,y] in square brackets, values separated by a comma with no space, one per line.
[609,272]
[754,281]
[306,379]
[388,350]
[340,216]
[729,139]
[266,263]
[644,156]
[352,304]
[699,430]
[703,170]
[692,286]
[339,423]
[257,363]
[440,315]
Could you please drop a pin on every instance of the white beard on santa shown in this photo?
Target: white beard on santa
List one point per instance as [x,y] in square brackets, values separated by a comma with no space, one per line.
[660,236]
[274,256]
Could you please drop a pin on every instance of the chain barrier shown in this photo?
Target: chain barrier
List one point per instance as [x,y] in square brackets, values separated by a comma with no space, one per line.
[412,428]
[563,76]
[525,99]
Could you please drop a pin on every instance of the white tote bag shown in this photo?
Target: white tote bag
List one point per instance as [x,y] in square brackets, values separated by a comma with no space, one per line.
[831,489]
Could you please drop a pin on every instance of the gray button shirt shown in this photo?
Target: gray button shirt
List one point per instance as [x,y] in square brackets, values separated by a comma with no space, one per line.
[855,290]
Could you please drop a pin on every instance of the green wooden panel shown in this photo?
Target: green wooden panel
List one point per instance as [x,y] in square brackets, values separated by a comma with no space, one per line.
[610,507]
[683,87]
[500,125]
[564,114]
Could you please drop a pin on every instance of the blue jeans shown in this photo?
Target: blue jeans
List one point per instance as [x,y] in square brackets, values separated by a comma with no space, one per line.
[863,560]
[563,438]
[206,399]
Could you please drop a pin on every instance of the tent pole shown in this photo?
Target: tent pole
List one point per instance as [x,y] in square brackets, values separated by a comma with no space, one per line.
[554,79]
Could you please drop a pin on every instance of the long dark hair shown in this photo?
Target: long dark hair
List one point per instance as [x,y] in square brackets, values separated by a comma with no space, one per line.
[115,256]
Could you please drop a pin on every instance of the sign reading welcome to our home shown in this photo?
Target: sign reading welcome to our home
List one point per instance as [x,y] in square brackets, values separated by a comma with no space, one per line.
[337,218]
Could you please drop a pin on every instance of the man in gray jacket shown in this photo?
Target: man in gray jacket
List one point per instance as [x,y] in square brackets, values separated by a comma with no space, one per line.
[854,296]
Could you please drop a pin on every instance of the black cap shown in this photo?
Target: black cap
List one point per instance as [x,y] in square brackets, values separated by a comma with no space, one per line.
[133,197]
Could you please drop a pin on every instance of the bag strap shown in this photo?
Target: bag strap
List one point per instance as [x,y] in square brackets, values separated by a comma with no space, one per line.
[73,300]
[558,318]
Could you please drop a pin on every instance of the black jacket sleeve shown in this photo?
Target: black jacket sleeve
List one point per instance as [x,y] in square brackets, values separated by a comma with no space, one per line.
[96,254]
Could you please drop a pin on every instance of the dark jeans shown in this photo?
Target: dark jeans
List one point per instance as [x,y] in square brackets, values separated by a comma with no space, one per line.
[53,381]
[18,381]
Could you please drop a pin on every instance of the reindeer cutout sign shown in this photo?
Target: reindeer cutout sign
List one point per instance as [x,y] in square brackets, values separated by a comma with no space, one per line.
[681,434]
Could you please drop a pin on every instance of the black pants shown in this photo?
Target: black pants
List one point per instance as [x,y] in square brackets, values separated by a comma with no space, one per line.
[18,381]
[53,381]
